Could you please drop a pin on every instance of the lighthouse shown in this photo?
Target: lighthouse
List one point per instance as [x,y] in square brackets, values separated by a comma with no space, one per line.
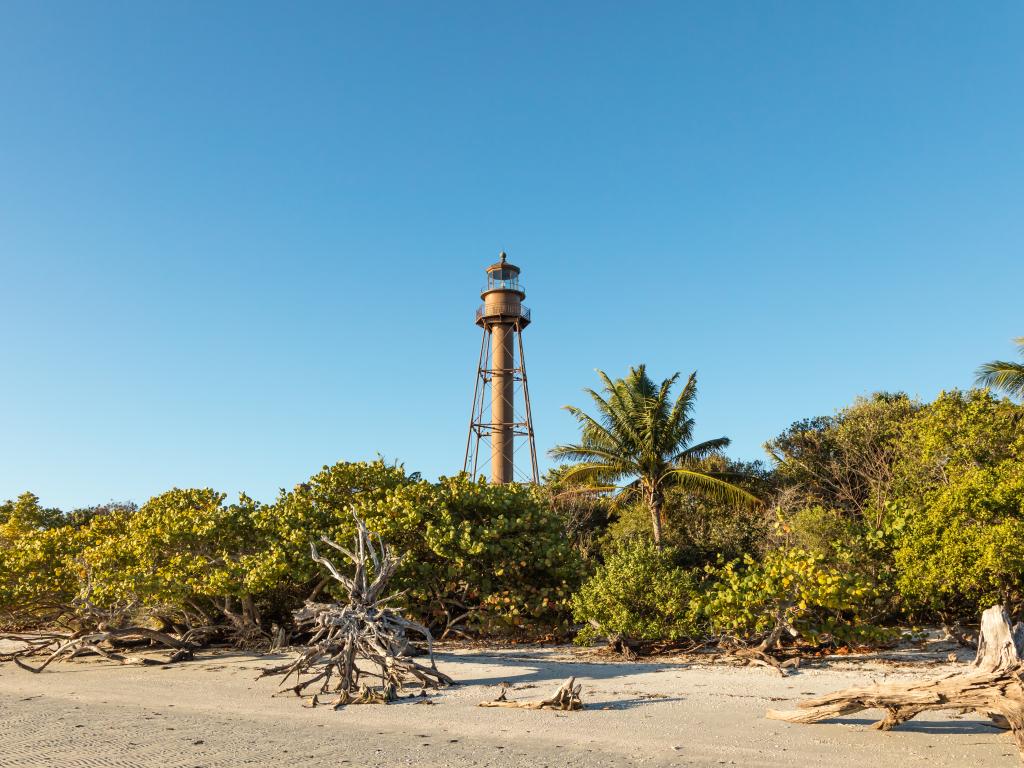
[501,384]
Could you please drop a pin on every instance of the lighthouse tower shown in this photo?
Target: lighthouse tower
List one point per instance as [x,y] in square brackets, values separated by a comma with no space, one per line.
[501,380]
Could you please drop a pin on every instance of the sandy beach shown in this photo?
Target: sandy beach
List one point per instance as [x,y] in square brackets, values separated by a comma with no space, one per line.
[213,713]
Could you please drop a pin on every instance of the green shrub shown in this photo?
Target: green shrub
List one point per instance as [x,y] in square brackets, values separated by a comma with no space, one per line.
[638,593]
[281,573]
[700,529]
[845,461]
[486,558]
[961,547]
[805,591]
[817,529]
[958,431]
[184,555]
[37,575]
[492,557]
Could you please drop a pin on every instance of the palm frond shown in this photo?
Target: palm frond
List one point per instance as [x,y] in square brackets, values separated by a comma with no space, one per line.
[702,450]
[708,486]
[594,433]
[615,413]
[1003,375]
[679,422]
[589,453]
[593,474]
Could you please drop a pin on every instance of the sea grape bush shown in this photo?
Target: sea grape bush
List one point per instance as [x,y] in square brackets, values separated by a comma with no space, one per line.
[818,599]
[475,556]
[638,593]
[493,556]
[35,554]
[183,556]
[961,546]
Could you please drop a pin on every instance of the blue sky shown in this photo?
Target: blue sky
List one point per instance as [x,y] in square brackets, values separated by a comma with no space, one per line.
[239,241]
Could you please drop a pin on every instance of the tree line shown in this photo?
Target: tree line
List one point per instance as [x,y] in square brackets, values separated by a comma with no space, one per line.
[888,511]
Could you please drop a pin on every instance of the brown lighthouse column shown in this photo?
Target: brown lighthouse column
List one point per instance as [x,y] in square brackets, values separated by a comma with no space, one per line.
[502,317]
[502,403]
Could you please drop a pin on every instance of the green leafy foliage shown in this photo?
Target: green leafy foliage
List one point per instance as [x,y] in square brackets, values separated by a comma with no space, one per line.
[919,499]
[585,514]
[890,509]
[958,431]
[638,593]
[698,529]
[37,578]
[480,556]
[184,555]
[844,461]
[281,573]
[961,546]
[495,555]
[805,591]
[25,514]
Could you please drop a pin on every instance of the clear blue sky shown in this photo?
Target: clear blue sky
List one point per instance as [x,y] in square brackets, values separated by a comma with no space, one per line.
[242,240]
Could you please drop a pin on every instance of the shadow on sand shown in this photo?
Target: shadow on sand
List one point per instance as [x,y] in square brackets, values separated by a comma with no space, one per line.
[926,726]
[528,668]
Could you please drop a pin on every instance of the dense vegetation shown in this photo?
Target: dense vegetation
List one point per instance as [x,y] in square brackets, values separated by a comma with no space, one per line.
[888,511]
[477,557]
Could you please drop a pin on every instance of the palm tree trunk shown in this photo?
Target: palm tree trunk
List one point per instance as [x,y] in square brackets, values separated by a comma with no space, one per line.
[654,502]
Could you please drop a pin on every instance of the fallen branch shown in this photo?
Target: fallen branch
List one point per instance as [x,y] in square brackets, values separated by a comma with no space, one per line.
[757,657]
[993,688]
[103,643]
[566,698]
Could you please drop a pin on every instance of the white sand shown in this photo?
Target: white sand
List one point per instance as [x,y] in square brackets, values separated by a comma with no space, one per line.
[213,713]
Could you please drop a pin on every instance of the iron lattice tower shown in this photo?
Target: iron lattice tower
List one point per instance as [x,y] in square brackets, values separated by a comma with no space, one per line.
[501,380]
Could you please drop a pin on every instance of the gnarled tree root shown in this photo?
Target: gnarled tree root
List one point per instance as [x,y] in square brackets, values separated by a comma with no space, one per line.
[993,688]
[103,643]
[566,698]
[363,629]
[756,657]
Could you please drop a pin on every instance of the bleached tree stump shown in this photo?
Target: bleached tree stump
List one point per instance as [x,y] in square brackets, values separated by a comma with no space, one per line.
[364,629]
[992,687]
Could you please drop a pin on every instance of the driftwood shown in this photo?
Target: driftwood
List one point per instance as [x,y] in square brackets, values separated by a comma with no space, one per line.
[760,655]
[566,698]
[363,629]
[625,646]
[755,657]
[992,687]
[104,642]
[106,631]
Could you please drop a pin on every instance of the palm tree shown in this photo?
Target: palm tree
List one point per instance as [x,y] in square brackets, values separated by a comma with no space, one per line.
[1000,374]
[639,445]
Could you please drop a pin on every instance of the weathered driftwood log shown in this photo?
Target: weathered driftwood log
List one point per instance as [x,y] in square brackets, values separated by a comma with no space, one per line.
[360,630]
[992,687]
[106,643]
[566,698]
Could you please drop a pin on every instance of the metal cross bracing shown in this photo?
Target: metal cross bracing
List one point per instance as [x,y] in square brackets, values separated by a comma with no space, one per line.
[479,443]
